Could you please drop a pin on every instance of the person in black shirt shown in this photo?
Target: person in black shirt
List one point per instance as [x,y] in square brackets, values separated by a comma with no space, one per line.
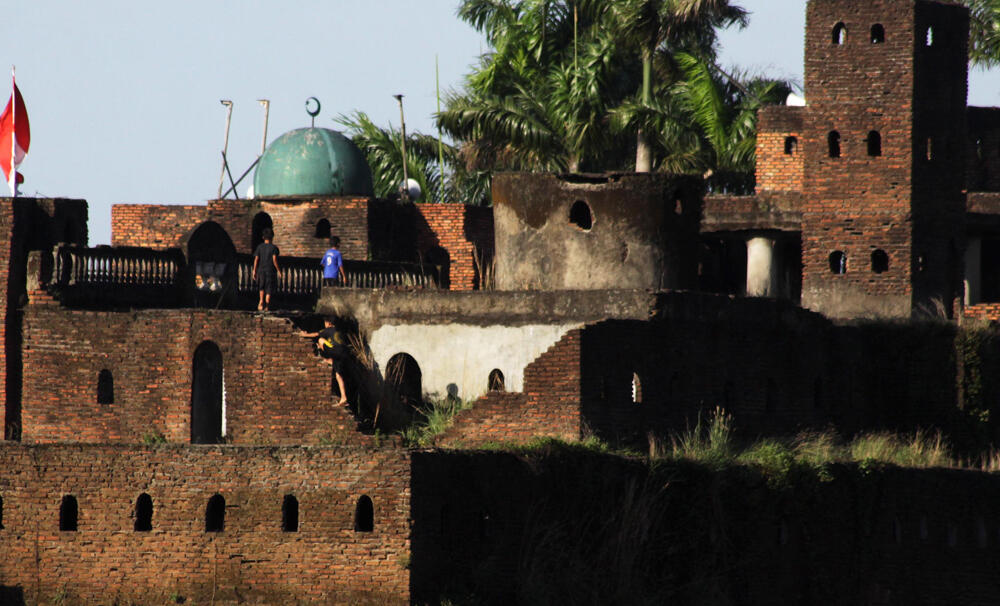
[265,268]
[332,346]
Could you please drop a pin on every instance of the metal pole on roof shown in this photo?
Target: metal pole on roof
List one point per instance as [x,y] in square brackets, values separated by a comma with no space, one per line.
[405,194]
[267,107]
[437,91]
[225,144]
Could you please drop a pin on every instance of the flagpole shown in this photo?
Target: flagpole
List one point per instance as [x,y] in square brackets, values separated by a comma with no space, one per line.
[12,175]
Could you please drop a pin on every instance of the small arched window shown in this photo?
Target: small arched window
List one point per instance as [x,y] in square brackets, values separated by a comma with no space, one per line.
[323,229]
[929,36]
[929,149]
[290,514]
[496,381]
[839,36]
[580,215]
[791,145]
[105,387]
[880,261]
[833,144]
[874,143]
[215,514]
[364,515]
[878,34]
[144,513]
[68,514]
[636,389]
[838,262]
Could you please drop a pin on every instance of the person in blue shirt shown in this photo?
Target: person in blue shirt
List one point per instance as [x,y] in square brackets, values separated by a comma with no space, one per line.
[333,265]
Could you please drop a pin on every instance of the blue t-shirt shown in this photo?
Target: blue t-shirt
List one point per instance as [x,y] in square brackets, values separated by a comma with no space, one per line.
[332,262]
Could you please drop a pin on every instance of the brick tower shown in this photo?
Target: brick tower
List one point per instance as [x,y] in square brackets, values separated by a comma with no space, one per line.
[884,134]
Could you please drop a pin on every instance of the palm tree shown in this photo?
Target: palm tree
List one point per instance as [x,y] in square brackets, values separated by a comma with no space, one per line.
[671,26]
[984,32]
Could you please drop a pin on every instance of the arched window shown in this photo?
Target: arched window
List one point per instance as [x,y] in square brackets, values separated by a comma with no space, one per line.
[323,229]
[929,148]
[290,514]
[68,514]
[839,36]
[260,221]
[929,36]
[833,144]
[880,261]
[403,373]
[838,262]
[636,389]
[105,387]
[207,406]
[791,145]
[878,34]
[144,513]
[215,514]
[874,143]
[580,215]
[364,515]
[496,381]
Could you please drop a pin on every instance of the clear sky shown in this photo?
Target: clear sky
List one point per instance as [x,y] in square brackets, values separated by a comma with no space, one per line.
[124,96]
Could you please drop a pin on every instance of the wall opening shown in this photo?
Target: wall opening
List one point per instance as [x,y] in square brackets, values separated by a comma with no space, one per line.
[833,144]
[260,221]
[874,143]
[144,513]
[580,215]
[206,395]
[403,373]
[636,389]
[322,229]
[290,514]
[364,515]
[838,262]
[68,514]
[105,387]
[839,36]
[496,381]
[880,261]
[441,260]
[929,149]
[791,145]
[877,34]
[215,514]
[929,36]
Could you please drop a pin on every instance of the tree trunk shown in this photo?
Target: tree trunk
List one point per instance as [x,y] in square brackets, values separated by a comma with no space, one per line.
[643,152]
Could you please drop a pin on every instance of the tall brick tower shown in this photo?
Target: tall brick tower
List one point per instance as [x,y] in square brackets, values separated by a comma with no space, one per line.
[883,140]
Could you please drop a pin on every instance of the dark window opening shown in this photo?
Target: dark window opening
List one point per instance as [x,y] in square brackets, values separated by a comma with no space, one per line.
[441,260]
[215,514]
[839,36]
[323,229]
[929,149]
[874,143]
[878,34]
[636,389]
[979,149]
[581,216]
[290,514]
[880,261]
[496,380]
[403,374]
[770,396]
[838,262]
[921,263]
[144,513]
[260,221]
[791,145]
[364,515]
[929,36]
[206,395]
[105,387]
[833,144]
[68,514]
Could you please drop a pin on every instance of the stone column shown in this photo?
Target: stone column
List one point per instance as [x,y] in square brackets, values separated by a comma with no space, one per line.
[762,275]
[973,270]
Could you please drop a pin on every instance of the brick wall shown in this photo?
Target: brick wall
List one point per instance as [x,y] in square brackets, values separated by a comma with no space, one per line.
[548,406]
[779,152]
[276,390]
[253,559]
[158,226]
[459,230]
[295,225]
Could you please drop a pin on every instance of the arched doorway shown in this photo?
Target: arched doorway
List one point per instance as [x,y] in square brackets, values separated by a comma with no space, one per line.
[403,373]
[211,254]
[207,407]
[260,221]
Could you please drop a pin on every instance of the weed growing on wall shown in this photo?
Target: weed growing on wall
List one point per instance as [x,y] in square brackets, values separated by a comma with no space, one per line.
[436,416]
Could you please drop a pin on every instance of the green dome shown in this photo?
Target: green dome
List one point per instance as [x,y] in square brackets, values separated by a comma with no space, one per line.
[312,162]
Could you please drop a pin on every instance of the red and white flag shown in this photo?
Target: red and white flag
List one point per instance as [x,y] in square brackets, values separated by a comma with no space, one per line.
[15,136]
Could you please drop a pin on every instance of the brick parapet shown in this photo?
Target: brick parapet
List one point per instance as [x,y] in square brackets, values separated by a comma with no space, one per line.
[779,155]
[465,233]
[326,560]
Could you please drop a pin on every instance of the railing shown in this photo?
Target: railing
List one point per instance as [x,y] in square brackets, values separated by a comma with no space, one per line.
[106,266]
[304,276]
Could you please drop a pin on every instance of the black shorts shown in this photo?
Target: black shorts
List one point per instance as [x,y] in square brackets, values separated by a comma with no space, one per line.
[337,354]
[268,282]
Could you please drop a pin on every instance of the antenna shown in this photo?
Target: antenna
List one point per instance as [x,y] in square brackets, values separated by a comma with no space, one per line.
[404,189]
[267,107]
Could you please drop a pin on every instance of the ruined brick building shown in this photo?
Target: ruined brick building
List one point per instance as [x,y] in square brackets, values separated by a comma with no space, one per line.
[166,442]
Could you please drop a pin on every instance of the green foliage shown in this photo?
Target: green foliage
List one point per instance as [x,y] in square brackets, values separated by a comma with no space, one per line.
[984,32]
[437,416]
[710,442]
[153,438]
